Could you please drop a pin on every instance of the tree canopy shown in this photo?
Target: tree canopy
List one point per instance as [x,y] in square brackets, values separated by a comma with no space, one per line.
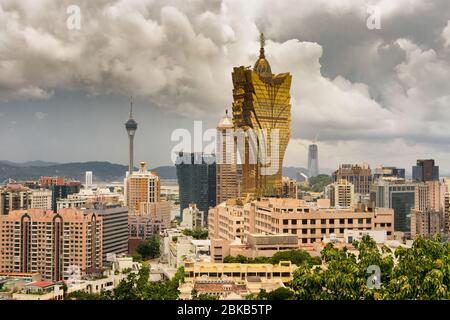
[317,183]
[138,287]
[198,234]
[296,257]
[149,249]
[421,272]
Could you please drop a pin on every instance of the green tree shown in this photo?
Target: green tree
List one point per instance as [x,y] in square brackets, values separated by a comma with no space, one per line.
[149,249]
[198,234]
[317,183]
[277,294]
[420,272]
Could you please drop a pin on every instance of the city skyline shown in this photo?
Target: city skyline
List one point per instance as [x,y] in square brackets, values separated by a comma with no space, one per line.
[380,95]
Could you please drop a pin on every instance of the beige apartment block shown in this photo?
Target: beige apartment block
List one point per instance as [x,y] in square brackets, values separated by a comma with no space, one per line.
[41,199]
[226,221]
[341,194]
[291,216]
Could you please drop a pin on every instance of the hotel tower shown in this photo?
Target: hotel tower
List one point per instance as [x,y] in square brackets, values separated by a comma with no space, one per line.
[261,104]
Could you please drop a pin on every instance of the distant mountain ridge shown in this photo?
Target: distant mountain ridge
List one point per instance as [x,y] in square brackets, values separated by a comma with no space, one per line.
[103,171]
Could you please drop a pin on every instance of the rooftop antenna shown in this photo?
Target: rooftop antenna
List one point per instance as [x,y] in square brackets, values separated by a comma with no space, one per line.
[131,107]
[262,43]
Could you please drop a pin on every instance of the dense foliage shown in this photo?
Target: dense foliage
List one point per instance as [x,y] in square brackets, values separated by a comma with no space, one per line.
[198,234]
[297,257]
[138,287]
[277,294]
[317,183]
[149,249]
[421,272]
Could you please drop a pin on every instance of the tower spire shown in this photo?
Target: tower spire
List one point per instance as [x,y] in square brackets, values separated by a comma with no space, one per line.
[262,43]
[131,107]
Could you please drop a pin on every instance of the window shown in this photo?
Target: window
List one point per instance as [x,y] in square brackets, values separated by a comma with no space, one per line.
[331,221]
[293,221]
[350,221]
[285,221]
[323,230]
[304,221]
[305,240]
[304,231]
[342,221]
[341,230]
[285,231]
[323,221]
[368,220]
[294,231]
[313,231]
[312,221]
[360,221]
[331,230]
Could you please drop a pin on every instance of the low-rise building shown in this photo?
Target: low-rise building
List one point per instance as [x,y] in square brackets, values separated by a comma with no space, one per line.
[282,271]
[257,245]
[192,218]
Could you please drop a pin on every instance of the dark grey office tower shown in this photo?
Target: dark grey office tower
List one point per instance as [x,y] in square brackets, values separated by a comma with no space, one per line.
[425,170]
[59,192]
[196,174]
[115,228]
[398,195]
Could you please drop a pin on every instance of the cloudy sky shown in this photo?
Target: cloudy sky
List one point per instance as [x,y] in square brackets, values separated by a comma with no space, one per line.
[376,95]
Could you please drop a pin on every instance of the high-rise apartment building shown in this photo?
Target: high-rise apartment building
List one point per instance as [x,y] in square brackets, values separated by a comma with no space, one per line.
[359,175]
[426,223]
[428,215]
[141,187]
[425,170]
[262,105]
[14,196]
[40,241]
[313,160]
[446,213]
[41,199]
[398,195]
[227,182]
[341,194]
[196,174]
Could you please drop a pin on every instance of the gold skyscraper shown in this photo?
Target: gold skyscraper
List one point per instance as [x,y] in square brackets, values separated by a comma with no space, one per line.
[262,104]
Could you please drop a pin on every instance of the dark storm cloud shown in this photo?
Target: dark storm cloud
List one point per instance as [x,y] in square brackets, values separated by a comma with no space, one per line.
[369,90]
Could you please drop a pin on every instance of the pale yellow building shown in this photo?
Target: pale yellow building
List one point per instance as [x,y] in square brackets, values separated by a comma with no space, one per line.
[238,271]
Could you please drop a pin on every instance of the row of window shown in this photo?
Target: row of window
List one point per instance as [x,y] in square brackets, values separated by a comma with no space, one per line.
[324,221]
